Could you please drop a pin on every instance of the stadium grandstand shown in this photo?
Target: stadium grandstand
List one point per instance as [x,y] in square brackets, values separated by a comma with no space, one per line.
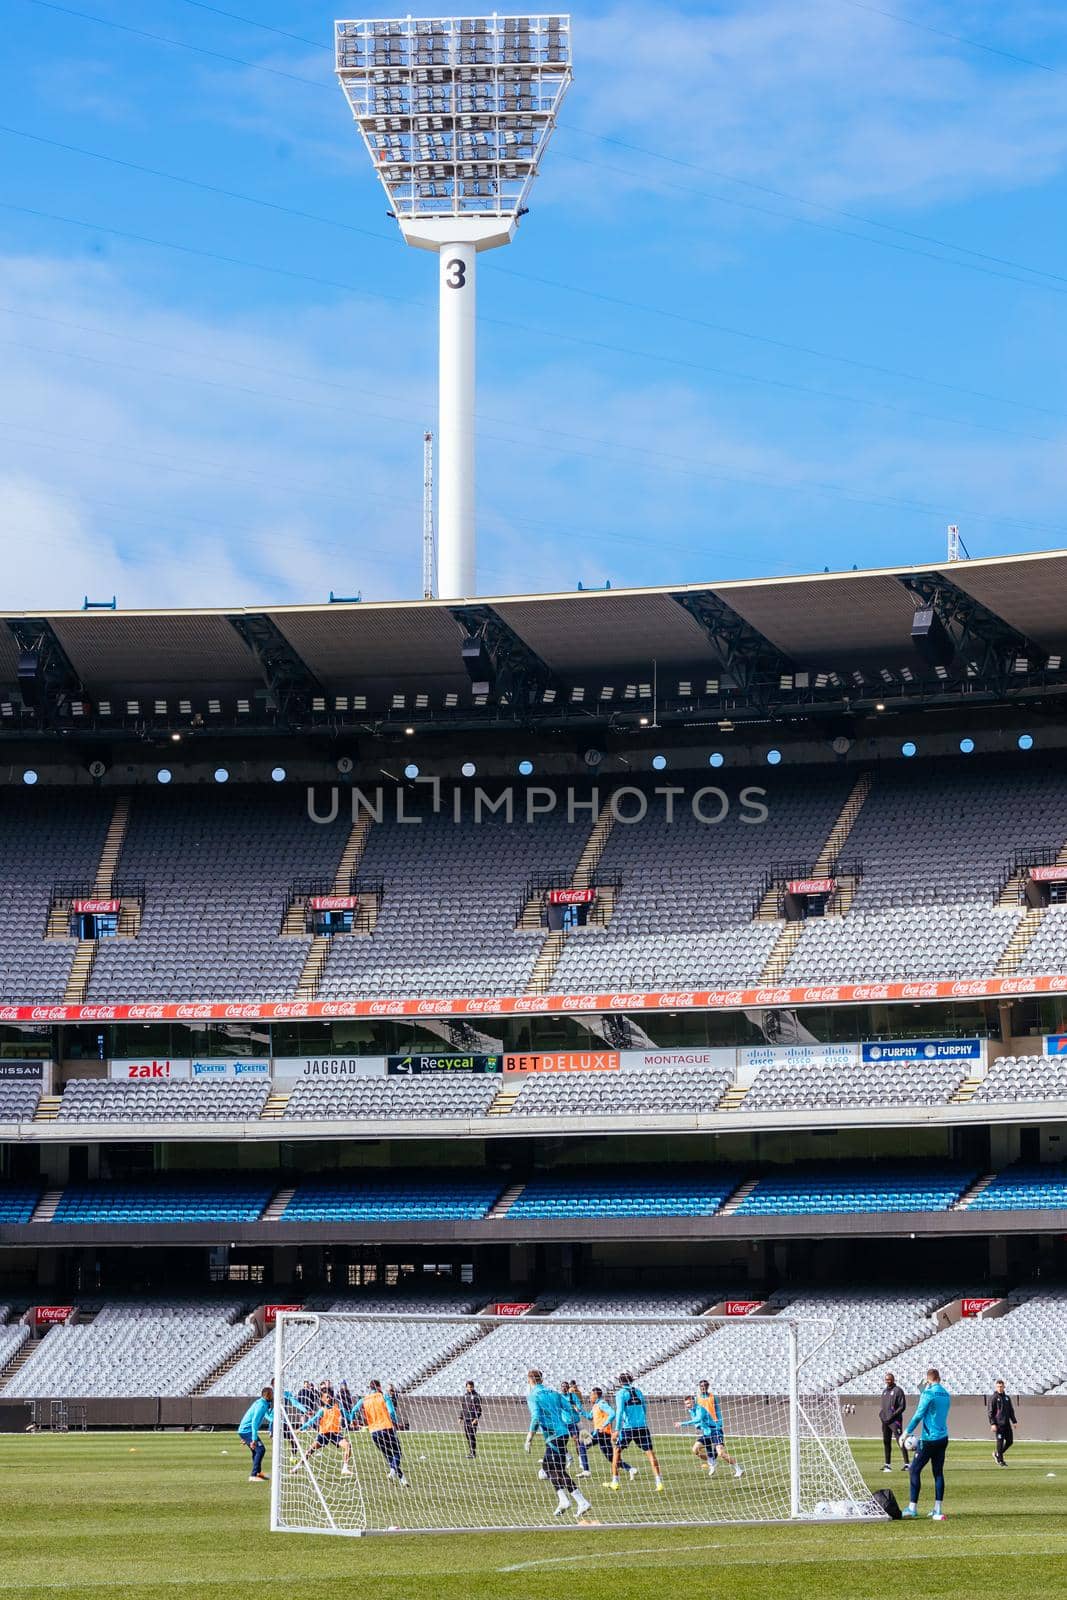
[674,952]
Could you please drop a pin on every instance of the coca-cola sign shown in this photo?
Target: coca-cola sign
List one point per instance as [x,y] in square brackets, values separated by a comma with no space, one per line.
[811,885]
[975,1305]
[51,1316]
[571,897]
[333,902]
[512,1308]
[1053,874]
[742,1308]
[96,908]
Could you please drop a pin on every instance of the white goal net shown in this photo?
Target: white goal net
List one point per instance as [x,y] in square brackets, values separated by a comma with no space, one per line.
[433,1423]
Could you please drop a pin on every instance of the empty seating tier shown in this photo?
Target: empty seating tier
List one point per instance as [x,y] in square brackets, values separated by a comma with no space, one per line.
[165,1200]
[783,1085]
[1025,1187]
[18,1101]
[99,1100]
[825,1190]
[1022,1078]
[391,1197]
[629,1192]
[17,1201]
[659,1091]
[432,1094]
[1027,1347]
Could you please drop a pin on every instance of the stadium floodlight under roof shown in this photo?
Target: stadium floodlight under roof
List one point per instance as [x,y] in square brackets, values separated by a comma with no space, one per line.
[455,113]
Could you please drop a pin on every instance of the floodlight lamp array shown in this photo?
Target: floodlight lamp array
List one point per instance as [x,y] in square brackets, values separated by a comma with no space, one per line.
[455,111]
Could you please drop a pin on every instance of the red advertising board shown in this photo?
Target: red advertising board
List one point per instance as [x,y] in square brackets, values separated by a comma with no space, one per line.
[270,1313]
[563,1061]
[49,1316]
[1054,874]
[760,996]
[512,1308]
[974,1306]
[742,1308]
[811,885]
[333,902]
[100,908]
[571,897]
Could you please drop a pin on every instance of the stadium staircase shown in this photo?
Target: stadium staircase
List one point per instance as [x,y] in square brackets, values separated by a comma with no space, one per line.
[970,1195]
[742,1192]
[964,1092]
[47,1108]
[504,1099]
[1022,935]
[732,1097]
[45,1209]
[19,1360]
[274,1210]
[506,1201]
[547,961]
[844,893]
[274,1107]
[81,969]
[204,1386]
[319,951]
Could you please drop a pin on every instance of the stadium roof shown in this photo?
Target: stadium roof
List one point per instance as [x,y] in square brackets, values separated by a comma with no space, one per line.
[774,646]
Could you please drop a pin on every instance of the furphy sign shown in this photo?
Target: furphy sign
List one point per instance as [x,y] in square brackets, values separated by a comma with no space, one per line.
[880,1051]
[410,1066]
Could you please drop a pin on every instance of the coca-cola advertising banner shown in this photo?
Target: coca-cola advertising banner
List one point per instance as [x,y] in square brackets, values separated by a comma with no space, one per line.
[742,1308]
[764,996]
[811,885]
[563,1061]
[333,902]
[99,908]
[512,1308]
[975,1306]
[270,1313]
[571,897]
[1053,874]
[49,1316]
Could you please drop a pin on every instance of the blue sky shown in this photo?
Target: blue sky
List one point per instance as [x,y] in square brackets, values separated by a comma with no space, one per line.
[792,294]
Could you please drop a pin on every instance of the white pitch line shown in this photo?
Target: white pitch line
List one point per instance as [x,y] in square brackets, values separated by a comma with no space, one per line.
[588,1555]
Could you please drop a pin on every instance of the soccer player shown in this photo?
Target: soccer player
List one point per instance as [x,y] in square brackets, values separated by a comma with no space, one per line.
[470,1414]
[630,1423]
[932,1412]
[715,1446]
[891,1411]
[602,1415]
[378,1412]
[1001,1418]
[573,1396]
[550,1415]
[259,1412]
[332,1422]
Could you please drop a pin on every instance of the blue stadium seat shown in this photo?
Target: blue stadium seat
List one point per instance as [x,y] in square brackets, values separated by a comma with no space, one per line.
[392,1197]
[1026,1186]
[841,1190]
[17,1201]
[165,1200]
[626,1192]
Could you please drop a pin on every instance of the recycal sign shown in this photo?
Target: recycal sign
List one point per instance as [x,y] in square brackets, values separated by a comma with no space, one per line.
[811,885]
[571,897]
[408,1066]
[333,902]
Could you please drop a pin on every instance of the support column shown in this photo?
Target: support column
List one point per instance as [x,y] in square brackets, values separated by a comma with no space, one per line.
[455,423]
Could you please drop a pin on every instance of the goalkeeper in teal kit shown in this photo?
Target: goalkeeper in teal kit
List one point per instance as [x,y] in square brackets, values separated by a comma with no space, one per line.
[551,1415]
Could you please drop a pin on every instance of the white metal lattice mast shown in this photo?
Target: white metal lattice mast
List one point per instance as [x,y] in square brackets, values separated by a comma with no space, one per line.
[456,113]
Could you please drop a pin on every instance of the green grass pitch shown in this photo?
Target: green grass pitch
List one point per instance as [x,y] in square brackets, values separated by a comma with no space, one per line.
[147,1516]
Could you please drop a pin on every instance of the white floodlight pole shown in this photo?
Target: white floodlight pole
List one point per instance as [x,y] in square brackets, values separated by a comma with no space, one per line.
[456,113]
[455,422]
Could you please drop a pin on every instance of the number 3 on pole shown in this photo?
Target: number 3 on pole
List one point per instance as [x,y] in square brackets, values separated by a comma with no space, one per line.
[457,273]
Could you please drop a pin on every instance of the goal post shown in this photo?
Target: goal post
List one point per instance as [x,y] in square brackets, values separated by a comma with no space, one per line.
[376,1429]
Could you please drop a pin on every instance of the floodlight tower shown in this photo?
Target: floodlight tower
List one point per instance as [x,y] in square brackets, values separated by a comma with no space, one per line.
[456,113]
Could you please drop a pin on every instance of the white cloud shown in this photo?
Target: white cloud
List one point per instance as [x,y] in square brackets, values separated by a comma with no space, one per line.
[835,103]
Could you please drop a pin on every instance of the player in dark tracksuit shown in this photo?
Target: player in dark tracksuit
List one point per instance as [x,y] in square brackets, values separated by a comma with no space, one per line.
[1001,1419]
[470,1414]
[891,1415]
